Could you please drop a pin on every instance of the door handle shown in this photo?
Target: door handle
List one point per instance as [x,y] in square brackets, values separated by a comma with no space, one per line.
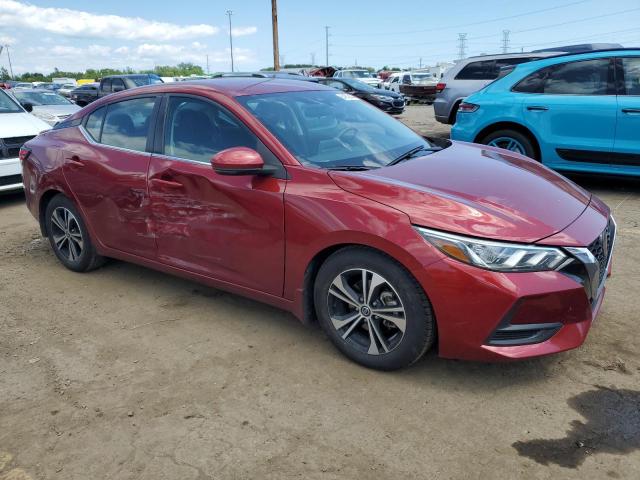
[631,111]
[75,160]
[166,183]
[537,108]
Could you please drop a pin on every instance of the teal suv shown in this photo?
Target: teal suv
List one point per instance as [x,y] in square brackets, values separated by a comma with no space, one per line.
[577,112]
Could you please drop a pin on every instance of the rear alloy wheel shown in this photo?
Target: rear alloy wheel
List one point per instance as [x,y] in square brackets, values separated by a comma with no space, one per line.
[511,140]
[69,237]
[373,310]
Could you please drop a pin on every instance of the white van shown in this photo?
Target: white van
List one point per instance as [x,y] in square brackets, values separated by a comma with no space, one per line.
[16,127]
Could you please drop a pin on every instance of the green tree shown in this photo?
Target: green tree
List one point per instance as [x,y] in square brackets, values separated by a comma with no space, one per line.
[4,74]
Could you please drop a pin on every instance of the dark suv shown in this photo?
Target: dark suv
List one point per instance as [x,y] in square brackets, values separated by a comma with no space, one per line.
[117,83]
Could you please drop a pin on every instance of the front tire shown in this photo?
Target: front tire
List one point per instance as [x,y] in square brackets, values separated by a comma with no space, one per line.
[511,140]
[373,310]
[69,237]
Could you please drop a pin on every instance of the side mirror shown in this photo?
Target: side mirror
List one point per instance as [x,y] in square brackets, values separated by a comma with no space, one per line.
[240,161]
[27,106]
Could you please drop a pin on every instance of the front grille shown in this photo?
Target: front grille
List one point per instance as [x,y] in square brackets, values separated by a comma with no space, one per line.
[10,146]
[601,249]
[398,103]
[10,180]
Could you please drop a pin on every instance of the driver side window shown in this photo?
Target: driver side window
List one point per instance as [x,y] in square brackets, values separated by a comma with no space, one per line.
[197,130]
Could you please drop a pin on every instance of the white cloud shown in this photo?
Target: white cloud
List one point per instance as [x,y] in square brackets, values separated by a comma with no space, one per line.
[69,22]
[240,31]
[7,40]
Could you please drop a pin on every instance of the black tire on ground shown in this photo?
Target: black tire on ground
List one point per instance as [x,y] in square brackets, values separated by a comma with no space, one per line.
[523,139]
[69,236]
[404,348]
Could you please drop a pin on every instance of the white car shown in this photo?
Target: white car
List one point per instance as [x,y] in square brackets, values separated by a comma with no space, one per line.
[16,127]
[46,105]
[363,75]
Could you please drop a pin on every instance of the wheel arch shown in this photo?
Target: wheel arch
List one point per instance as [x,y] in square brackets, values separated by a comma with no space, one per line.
[313,267]
[509,125]
[45,198]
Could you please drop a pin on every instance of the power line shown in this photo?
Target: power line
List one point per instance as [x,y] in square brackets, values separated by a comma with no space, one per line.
[493,35]
[482,22]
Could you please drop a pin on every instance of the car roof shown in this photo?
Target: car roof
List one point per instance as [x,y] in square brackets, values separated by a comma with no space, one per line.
[229,86]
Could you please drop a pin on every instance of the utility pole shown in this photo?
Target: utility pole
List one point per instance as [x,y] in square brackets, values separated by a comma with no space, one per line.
[229,13]
[462,45]
[326,45]
[274,22]
[313,58]
[9,57]
[207,64]
[420,62]
[505,41]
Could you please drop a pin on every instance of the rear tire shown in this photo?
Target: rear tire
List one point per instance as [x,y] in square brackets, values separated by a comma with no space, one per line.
[511,140]
[387,325]
[69,237]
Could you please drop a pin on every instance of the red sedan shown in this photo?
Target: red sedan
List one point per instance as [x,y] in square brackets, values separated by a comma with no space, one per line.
[311,200]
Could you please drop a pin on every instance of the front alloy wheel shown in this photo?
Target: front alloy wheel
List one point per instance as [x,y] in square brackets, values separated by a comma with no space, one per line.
[366,311]
[372,309]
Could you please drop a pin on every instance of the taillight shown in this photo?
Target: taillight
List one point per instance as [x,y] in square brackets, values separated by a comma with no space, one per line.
[24,153]
[440,87]
[467,107]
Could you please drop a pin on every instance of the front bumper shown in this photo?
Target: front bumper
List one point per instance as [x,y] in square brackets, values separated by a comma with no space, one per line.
[10,174]
[490,316]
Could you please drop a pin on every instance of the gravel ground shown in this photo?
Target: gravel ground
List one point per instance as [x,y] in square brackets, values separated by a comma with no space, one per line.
[126,373]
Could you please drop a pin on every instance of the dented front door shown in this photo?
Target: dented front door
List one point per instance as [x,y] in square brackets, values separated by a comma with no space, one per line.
[230,228]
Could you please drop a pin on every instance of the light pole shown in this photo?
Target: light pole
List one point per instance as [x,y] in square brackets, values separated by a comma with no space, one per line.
[229,13]
[274,27]
[9,57]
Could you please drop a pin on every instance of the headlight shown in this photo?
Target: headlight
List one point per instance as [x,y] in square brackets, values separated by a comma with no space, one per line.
[498,256]
[382,98]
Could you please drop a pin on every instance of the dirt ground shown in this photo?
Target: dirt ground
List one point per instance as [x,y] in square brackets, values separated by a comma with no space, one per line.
[126,373]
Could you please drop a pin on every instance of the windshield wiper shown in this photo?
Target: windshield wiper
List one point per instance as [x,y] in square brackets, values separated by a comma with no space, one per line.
[351,168]
[411,153]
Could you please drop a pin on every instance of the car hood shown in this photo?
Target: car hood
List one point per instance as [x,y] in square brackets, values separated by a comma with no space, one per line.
[20,125]
[474,190]
[56,110]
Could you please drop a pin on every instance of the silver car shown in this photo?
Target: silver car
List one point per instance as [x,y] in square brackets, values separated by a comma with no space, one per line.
[470,75]
[45,104]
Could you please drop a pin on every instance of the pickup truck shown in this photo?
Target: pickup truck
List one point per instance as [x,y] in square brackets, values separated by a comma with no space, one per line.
[420,86]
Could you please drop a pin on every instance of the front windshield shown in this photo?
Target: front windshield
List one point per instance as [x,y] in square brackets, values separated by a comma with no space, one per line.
[357,74]
[41,98]
[8,105]
[328,129]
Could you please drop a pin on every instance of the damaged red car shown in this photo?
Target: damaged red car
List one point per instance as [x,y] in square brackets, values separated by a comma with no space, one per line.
[311,200]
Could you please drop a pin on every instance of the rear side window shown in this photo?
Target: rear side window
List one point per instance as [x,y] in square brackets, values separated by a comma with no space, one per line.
[490,69]
[590,77]
[106,85]
[587,77]
[126,124]
[484,70]
[631,68]
[94,123]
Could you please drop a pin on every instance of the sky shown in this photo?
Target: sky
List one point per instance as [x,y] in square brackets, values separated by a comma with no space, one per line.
[79,34]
